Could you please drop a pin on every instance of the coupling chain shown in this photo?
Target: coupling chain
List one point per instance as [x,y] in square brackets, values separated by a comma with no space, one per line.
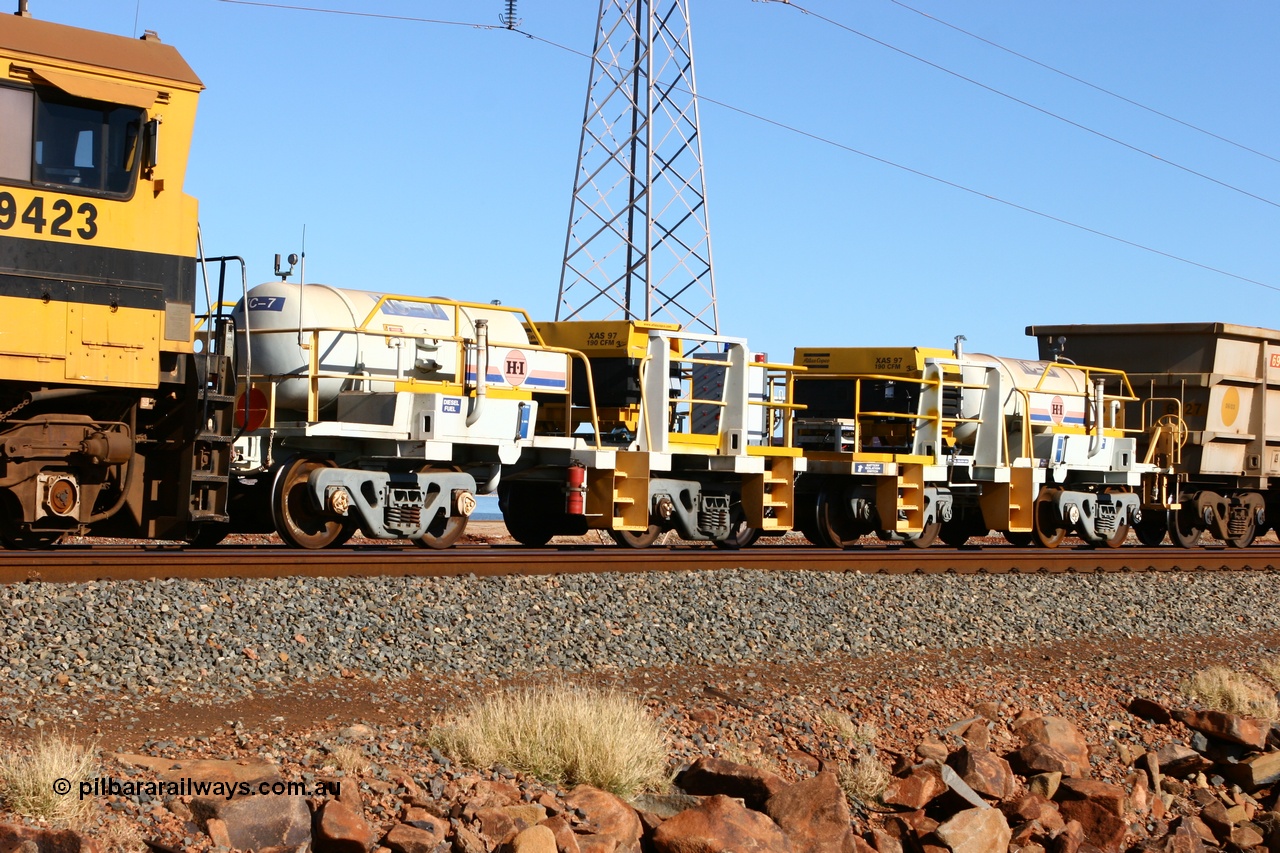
[5,416]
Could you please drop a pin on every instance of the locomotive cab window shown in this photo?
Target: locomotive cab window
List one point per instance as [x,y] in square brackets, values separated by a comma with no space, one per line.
[16,107]
[53,139]
[86,145]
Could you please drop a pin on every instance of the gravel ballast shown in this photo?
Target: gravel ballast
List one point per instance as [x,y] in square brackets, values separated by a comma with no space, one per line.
[226,637]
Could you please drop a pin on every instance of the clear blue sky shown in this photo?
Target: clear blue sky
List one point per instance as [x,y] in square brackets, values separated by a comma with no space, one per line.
[438,160]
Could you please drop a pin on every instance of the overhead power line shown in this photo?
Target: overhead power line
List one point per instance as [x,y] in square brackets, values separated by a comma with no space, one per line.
[1083,82]
[791,5]
[816,138]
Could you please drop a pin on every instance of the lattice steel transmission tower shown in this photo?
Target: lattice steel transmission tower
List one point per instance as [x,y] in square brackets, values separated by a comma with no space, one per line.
[639,240]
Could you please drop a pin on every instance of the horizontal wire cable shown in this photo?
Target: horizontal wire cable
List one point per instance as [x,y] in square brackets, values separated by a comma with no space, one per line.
[1026,104]
[1084,82]
[804,133]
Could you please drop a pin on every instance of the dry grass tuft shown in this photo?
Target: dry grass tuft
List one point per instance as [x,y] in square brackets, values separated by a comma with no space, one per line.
[863,781]
[27,780]
[562,735]
[857,734]
[1270,669]
[1225,689]
[348,758]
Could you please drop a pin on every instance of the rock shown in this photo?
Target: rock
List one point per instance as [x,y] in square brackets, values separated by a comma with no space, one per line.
[1041,758]
[338,829]
[961,787]
[1146,709]
[916,789]
[664,805]
[420,818]
[1101,827]
[1176,759]
[1035,807]
[591,843]
[884,842]
[204,770]
[814,815]
[466,841]
[710,776]
[931,748]
[403,838]
[1109,797]
[1044,784]
[1061,735]
[499,823]
[976,831]
[535,839]
[26,838]
[984,772]
[1245,836]
[217,830]
[977,735]
[1223,726]
[720,825]
[566,841]
[258,822]
[1254,772]
[609,816]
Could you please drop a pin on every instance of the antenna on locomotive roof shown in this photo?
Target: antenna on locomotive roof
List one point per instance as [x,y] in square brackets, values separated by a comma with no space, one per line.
[22,9]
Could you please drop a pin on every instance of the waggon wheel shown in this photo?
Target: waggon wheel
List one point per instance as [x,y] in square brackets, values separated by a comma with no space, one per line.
[834,524]
[1246,537]
[1151,529]
[955,532]
[927,536]
[1049,529]
[527,511]
[1019,538]
[298,521]
[743,536]
[1182,529]
[807,520]
[637,538]
[208,534]
[442,533]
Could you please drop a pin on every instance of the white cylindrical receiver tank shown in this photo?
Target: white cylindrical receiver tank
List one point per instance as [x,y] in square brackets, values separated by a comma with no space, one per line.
[1043,394]
[367,340]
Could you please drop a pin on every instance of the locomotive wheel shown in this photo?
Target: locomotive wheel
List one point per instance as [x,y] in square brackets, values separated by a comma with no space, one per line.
[927,536]
[1019,538]
[297,520]
[1049,531]
[637,538]
[442,533]
[1151,529]
[1182,530]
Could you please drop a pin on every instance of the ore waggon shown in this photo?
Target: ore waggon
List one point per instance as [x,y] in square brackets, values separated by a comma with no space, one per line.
[111,422]
[1215,387]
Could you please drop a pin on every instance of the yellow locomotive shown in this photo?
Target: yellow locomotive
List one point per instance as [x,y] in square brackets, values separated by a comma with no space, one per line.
[111,422]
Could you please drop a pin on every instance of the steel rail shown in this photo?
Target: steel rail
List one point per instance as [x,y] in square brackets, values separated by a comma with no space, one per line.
[77,564]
